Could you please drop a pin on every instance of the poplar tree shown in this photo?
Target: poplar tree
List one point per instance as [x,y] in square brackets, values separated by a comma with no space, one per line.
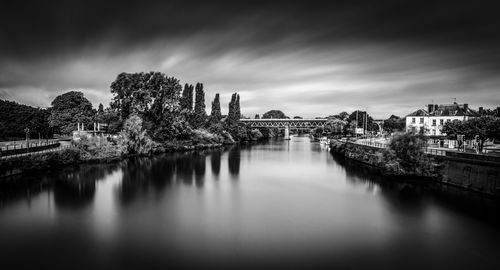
[199,106]
[234,114]
[231,113]
[187,97]
[237,108]
[216,113]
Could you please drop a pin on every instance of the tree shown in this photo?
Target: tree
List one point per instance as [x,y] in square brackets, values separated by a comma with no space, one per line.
[342,116]
[237,109]
[482,128]
[152,96]
[69,109]
[394,123]
[257,116]
[187,98]
[274,114]
[134,137]
[14,118]
[199,106]
[234,114]
[123,88]
[112,120]
[408,150]
[297,117]
[334,126]
[216,113]
[363,118]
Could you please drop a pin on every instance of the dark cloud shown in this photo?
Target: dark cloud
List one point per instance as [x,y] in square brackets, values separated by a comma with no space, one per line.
[305,57]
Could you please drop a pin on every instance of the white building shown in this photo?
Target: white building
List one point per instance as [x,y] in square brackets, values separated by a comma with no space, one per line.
[433,120]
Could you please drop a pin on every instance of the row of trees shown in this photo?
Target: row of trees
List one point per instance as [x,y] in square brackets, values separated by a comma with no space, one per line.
[480,128]
[163,109]
[15,118]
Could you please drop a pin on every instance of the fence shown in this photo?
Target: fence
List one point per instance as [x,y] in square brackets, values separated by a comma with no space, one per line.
[22,144]
[46,150]
[435,152]
[372,144]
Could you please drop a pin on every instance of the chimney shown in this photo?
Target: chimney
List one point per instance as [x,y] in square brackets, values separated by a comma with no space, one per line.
[430,108]
[481,110]
[466,106]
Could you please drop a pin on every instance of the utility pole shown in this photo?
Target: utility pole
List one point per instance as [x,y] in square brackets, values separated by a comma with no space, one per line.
[356,126]
[366,120]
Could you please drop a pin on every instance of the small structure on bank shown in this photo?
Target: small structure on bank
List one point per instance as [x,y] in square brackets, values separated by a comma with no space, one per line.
[80,132]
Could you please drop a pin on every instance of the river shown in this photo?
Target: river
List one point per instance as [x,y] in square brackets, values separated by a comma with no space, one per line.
[270,205]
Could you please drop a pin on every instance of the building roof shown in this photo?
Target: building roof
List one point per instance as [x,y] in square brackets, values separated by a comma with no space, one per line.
[446,110]
[453,110]
[419,112]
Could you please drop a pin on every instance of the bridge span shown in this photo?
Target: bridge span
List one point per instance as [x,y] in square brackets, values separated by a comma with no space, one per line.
[285,123]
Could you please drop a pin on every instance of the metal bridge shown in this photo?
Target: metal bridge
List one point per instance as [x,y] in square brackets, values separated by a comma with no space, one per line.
[285,123]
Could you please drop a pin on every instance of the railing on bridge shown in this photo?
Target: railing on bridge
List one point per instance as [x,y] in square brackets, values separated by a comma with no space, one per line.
[284,123]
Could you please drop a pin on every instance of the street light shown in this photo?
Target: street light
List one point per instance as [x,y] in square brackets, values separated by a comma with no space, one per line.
[27,130]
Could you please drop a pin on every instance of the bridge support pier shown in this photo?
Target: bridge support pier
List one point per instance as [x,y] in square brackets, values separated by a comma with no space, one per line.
[287,133]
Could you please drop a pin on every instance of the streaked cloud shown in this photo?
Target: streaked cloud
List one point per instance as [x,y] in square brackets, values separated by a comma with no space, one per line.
[306,60]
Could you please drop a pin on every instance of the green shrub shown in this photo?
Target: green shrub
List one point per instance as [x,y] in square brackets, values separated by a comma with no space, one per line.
[203,136]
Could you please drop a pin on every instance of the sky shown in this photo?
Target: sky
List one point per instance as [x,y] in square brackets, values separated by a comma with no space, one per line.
[308,58]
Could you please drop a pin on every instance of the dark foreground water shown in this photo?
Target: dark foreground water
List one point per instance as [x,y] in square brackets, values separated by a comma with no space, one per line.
[280,204]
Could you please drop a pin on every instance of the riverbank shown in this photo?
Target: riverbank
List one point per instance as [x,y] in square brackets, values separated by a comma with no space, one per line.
[464,172]
[387,160]
[76,155]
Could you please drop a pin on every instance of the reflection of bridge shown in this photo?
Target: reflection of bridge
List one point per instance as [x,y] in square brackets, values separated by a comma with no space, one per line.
[285,123]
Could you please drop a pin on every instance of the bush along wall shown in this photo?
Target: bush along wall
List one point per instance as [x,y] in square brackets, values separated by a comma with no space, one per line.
[387,160]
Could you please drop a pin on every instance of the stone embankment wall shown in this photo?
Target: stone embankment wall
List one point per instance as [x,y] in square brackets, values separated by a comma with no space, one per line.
[478,173]
[474,172]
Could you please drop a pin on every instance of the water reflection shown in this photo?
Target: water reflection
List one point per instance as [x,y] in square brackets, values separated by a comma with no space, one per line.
[199,169]
[293,204]
[215,162]
[233,160]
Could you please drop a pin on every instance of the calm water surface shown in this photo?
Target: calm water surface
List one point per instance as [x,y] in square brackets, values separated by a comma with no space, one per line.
[279,204]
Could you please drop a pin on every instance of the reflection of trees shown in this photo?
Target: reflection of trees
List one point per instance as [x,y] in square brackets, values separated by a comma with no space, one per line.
[234,160]
[141,176]
[199,168]
[145,174]
[184,168]
[75,188]
[215,162]
[410,195]
[402,195]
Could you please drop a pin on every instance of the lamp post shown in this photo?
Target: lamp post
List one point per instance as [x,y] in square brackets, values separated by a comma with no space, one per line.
[27,130]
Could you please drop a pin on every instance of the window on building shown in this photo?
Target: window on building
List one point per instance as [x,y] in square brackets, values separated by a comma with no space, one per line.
[433,132]
[433,122]
[421,120]
[413,120]
[441,122]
